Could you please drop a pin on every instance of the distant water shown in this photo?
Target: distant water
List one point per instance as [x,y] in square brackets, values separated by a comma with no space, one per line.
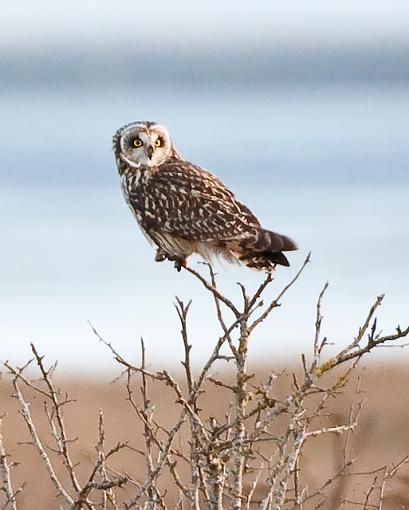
[301,134]
[329,167]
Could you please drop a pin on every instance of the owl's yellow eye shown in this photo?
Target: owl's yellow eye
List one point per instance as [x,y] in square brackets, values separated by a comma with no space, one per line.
[158,142]
[137,143]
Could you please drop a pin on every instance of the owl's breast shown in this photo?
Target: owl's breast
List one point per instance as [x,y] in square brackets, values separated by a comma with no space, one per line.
[138,196]
[132,185]
[132,189]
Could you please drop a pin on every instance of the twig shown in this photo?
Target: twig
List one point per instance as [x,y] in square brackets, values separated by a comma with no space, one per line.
[62,440]
[214,291]
[276,301]
[25,411]
[104,485]
[11,503]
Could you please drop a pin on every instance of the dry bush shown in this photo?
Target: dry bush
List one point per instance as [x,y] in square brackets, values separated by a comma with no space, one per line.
[256,448]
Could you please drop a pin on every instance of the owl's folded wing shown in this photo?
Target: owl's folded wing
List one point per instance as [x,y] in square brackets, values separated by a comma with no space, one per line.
[184,200]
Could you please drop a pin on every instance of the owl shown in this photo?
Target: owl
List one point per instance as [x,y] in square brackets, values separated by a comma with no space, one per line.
[184,209]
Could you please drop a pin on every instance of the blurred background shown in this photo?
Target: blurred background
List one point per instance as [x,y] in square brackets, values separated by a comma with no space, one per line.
[301,108]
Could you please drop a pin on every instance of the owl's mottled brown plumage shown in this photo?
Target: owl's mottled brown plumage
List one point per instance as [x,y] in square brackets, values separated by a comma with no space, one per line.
[183,208]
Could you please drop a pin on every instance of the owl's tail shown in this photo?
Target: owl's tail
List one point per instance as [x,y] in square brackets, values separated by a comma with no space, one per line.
[267,250]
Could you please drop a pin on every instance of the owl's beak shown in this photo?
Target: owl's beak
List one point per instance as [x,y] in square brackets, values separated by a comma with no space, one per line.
[149,151]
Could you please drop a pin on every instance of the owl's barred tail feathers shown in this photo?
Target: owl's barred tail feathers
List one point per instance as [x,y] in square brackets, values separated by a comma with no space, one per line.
[267,250]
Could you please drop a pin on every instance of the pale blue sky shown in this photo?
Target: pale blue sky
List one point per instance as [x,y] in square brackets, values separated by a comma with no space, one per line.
[98,23]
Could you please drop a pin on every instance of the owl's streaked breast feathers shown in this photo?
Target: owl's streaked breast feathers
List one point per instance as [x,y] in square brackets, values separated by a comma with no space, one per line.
[183,208]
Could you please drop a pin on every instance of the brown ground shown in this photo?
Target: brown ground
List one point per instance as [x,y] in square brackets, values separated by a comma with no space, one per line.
[382,437]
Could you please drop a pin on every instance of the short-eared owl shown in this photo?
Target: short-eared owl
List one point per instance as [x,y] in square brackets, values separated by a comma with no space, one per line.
[183,208]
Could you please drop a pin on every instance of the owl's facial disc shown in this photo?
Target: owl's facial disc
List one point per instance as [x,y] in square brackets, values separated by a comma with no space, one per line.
[145,145]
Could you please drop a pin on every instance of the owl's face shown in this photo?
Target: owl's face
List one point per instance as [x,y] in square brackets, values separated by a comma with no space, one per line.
[143,144]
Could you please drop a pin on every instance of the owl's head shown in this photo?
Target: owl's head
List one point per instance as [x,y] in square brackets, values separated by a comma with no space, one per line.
[143,144]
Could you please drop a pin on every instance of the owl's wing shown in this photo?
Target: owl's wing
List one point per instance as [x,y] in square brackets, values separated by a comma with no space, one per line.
[186,201]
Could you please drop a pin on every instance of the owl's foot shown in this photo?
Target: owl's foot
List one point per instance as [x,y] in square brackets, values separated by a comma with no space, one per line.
[179,263]
[160,256]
